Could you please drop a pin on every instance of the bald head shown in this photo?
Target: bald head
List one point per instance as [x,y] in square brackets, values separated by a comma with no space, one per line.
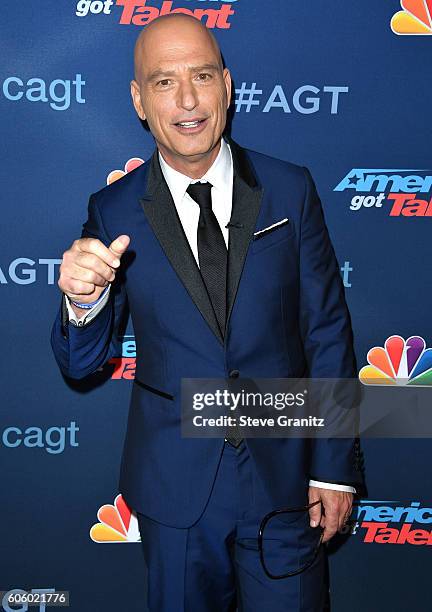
[182,90]
[167,29]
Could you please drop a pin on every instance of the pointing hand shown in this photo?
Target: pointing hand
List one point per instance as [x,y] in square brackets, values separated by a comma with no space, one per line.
[89,266]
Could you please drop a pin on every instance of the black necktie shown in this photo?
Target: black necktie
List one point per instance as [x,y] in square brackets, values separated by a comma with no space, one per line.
[213,261]
[212,251]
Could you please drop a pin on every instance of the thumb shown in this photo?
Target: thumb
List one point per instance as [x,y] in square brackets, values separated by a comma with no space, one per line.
[120,245]
[315,515]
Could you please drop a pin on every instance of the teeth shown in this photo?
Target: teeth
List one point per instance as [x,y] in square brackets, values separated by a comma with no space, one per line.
[189,123]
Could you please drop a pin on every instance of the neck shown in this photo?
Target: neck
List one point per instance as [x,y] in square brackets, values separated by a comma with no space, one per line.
[194,166]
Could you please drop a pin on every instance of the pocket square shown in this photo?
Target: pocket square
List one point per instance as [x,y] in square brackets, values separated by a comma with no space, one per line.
[271,227]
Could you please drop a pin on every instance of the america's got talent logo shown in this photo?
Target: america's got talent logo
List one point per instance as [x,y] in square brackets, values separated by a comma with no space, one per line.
[397,192]
[124,364]
[213,13]
[391,522]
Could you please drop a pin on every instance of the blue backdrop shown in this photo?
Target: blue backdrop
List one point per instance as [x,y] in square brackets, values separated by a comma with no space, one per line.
[329,85]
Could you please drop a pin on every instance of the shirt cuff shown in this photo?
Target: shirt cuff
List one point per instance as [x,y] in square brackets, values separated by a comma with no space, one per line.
[330,485]
[91,312]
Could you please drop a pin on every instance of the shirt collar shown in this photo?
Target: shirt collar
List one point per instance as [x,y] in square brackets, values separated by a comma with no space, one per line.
[219,174]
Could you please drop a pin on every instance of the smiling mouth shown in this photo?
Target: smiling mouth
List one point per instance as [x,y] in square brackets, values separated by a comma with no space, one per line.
[190,124]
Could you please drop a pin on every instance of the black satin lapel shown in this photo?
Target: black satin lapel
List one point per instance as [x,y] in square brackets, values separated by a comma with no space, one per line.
[245,209]
[161,213]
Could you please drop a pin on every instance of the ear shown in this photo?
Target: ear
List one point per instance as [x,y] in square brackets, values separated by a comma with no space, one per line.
[227,81]
[136,99]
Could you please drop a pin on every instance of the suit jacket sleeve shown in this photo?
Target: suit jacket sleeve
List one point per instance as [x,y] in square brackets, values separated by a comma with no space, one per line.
[79,351]
[326,332]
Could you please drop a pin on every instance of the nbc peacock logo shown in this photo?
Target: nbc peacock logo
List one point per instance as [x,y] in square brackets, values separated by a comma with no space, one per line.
[415,18]
[118,524]
[400,362]
[130,165]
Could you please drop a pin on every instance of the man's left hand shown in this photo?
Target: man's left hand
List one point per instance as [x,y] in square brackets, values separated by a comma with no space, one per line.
[337,509]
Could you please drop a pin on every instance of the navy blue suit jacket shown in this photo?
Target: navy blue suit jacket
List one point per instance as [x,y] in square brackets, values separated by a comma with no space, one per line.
[287,317]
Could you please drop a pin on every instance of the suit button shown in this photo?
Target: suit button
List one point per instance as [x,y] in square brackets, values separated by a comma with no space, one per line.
[233,373]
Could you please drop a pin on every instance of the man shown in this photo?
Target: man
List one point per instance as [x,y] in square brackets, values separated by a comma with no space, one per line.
[211,295]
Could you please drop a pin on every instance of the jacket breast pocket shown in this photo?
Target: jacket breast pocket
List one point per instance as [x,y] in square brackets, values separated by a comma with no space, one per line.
[272,236]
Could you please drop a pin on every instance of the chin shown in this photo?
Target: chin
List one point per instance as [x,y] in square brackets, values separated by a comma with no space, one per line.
[194,148]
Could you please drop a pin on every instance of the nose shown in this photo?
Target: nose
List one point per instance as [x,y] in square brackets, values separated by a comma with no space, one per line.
[187,96]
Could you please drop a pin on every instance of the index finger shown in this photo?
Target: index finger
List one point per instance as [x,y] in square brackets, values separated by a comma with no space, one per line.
[96,247]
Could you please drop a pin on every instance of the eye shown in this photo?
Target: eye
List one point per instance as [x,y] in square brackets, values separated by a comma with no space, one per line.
[163,83]
[204,76]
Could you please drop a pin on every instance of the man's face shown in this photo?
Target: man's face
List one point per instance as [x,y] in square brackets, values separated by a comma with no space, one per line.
[182,91]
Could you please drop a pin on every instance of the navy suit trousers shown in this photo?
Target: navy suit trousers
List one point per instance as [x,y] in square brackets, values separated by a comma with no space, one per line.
[214,566]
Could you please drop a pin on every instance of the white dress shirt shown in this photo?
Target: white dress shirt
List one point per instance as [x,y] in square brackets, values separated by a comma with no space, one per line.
[220,175]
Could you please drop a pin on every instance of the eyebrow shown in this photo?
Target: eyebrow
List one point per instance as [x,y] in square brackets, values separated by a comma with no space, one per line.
[156,74]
